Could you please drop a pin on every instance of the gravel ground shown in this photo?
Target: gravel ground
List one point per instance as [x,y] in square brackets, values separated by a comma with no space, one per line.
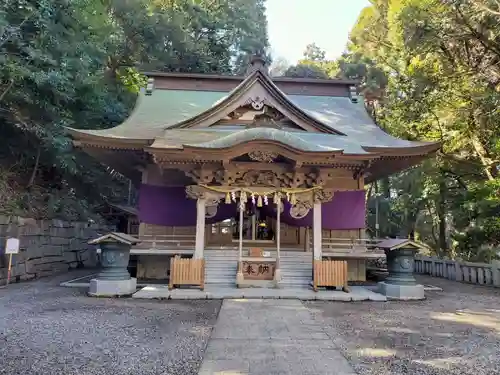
[47,329]
[456,331]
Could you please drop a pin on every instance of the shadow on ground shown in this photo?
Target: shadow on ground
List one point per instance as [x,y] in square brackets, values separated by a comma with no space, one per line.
[455,331]
[46,329]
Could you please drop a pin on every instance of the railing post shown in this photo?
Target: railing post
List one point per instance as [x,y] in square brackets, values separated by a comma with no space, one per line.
[458,271]
[495,273]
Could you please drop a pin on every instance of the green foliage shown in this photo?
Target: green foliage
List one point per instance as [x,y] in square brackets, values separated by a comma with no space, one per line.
[440,60]
[76,64]
[429,70]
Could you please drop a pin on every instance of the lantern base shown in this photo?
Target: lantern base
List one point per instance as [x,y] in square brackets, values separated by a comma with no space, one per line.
[112,288]
[401,292]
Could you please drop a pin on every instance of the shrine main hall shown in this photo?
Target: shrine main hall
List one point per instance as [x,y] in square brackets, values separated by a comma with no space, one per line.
[252,181]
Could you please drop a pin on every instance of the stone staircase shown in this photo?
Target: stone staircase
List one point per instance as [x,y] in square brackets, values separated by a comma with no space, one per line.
[221,266]
[296,269]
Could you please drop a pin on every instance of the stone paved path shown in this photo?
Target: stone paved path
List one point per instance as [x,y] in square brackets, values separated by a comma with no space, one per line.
[270,337]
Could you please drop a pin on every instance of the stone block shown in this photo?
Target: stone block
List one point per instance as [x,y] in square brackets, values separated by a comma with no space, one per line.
[4,219]
[153,267]
[401,292]
[41,251]
[70,256]
[112,288]
[59,240]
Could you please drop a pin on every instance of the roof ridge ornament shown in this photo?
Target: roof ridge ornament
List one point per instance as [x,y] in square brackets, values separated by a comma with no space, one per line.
[150,86]
[257,62]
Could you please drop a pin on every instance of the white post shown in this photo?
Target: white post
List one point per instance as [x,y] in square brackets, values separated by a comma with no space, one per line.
[240,243]
[277,271]
[200,229]
[495,273]
[317,227]
[239,274]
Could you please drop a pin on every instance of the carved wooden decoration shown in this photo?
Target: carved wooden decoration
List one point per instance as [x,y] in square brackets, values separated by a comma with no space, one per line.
[323,195]
[263,156]
[255,178]
[211,211]
[197,192]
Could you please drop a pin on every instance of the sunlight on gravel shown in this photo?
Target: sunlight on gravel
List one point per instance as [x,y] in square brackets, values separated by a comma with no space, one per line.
[453,332]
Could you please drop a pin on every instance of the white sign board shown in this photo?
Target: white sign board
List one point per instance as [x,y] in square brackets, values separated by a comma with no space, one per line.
[12,246]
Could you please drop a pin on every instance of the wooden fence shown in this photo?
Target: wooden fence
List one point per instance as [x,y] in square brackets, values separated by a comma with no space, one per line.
[187,271]
[330,273]
[469,272]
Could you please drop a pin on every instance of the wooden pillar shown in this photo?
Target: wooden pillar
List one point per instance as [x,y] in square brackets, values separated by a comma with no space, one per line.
[254,229]
[240,239]
[307,245]
[239,275]
[200,229]
[278,231]
[317,228]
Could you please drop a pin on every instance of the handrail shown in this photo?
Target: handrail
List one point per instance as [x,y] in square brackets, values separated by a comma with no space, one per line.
[167,239]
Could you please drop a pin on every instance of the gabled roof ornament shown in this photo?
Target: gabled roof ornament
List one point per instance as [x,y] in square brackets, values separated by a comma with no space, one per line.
[257,62]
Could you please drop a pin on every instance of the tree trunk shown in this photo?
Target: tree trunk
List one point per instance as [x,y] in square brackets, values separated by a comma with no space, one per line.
[482,154]
[385,186]
[35,168]
[441,212]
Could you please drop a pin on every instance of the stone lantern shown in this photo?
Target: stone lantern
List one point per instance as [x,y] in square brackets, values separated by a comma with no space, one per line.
[114,278]
[400,284]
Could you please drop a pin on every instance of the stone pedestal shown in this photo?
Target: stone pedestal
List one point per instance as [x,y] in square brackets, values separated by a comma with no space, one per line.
[400,284]
[112,288]
[401,292]
[114,278]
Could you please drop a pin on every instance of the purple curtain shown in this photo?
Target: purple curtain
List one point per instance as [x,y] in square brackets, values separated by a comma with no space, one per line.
[345,211]
[169,206]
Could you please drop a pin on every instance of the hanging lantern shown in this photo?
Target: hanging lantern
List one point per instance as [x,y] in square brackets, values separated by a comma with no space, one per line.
[265,200]
[228,198]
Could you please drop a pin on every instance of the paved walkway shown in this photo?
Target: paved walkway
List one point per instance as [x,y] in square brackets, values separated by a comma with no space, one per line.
[270,337]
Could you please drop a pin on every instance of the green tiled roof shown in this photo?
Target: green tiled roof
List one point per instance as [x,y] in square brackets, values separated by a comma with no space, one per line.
[164,108]
[218,138]
[155,114]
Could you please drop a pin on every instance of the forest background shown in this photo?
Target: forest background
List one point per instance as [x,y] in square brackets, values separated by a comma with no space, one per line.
[428,70]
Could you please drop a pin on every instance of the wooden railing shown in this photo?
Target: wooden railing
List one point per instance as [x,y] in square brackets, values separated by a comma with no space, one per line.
[330,273]
[469,272]
[352,246]
[187,271]
[166,241]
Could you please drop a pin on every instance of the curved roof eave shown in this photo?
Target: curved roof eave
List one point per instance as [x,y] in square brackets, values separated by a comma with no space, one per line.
[92,138]
[237,92]
[418,148]
[221,140]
